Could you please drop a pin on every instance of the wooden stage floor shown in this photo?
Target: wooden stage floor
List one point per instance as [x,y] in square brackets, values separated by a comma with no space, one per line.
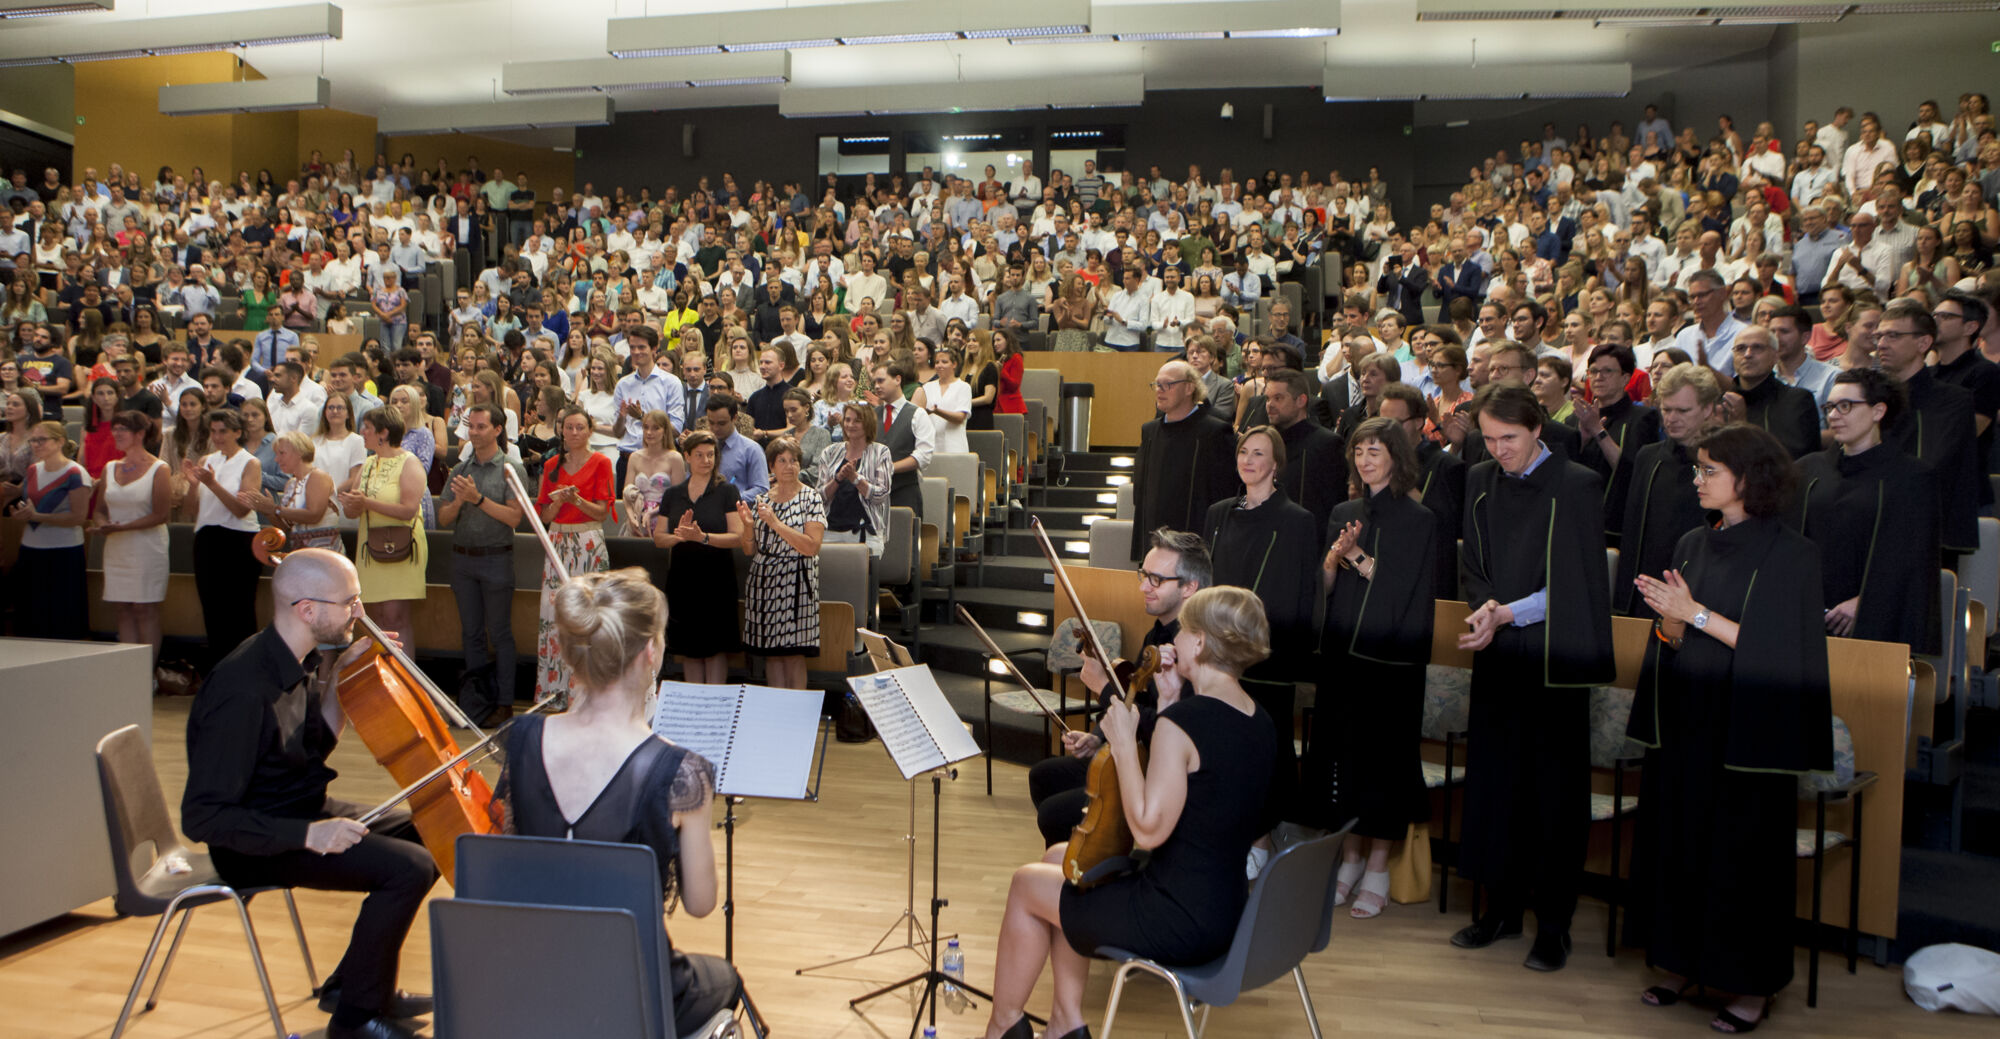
[816,882]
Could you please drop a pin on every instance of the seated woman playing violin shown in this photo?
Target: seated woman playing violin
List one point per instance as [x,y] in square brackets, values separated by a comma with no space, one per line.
[258,739]
[598,773]
[1197,804]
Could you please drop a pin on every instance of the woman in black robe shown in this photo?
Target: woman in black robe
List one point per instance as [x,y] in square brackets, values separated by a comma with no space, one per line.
[1263,541]
[1374,647]
[1734,703]
[1661,504]
[1873,512]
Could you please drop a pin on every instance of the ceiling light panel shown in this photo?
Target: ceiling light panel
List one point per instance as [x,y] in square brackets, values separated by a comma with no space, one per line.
[46,8]
[282,94]
[850,25]
[1637,13]
[189,34]
[610,75]
[1463,83]
[404,120]
[996,96]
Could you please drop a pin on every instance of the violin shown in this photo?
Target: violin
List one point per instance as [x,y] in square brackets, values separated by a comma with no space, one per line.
[1103,836]
[396,710]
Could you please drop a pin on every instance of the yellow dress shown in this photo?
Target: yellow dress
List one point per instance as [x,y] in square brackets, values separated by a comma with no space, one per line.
[381,478]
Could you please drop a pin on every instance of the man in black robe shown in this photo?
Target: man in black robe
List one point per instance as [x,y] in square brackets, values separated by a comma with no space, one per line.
[1315,473]
[1614,427]
[1959,316]
[1939,428]
[1541,626]
[1661,504]
[1186,462]
[1440,480]
[1786,412]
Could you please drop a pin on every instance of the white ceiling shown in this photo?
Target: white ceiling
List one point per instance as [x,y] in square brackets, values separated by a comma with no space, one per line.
[450,51]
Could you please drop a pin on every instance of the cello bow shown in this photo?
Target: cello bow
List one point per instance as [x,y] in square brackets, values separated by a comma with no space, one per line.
[994,649]
[1089,637]
[535,520]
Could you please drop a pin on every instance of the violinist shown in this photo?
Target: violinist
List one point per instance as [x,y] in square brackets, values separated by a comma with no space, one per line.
[1175,567]
[258,738]
[1197,804]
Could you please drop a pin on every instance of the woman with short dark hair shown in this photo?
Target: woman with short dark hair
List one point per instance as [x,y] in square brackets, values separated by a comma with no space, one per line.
[1734,705]
[225,571]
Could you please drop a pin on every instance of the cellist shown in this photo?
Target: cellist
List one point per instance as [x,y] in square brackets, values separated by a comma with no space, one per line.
[1197,803]
[1175,567]
[258,739]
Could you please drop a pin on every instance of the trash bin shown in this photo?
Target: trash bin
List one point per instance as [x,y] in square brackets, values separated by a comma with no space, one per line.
[1076,416]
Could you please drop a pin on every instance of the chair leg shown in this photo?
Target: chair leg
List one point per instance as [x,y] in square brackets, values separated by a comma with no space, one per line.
[1854,891]
[145,965]
[1117,992]
[988,677]
[305,951]
[1202,1025]
[757,1026]
[1818,872]
[1187,1012]
[257,959]
[167,965]
[1305,997]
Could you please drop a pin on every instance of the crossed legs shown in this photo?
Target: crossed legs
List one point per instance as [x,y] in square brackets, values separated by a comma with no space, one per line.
[1030,935]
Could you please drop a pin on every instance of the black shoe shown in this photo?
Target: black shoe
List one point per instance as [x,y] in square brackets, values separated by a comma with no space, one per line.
[1484,932]
[1083,1032]
[378,1028]
[1550,952]
[402,1004]
[1021,1029]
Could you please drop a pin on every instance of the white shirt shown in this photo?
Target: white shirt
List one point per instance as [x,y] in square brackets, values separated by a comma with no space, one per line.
[1857,167]
[1833,141]
[921,427]
[228,476]
[961,307]
[1132,312]
[1171,311]
[949,436]
[816,268]
[169,391]
[1027,189]
[865,286]
[301,413]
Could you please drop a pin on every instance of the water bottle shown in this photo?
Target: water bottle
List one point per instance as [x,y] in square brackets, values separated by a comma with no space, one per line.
[954,968]
[930,1033]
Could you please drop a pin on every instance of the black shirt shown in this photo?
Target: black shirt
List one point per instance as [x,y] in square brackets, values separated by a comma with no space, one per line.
[142,401]
[767,406]
[257,746]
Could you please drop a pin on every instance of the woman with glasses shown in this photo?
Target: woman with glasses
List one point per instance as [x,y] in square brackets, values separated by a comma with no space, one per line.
[1873,511]
[47,580]
[1733,705]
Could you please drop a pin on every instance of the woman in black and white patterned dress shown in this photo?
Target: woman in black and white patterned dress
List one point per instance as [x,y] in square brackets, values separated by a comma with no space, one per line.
[781,615]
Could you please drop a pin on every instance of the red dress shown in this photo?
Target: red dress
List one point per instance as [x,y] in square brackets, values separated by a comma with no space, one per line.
[593,484]
[1008,400]
[99,450]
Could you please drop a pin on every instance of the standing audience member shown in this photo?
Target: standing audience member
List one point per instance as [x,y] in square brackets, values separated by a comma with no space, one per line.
[225,571]
[1734,705]
[1380,590]
[649,472]
[1661,503]
[304,504]
[132,512]
[573,498]
[391,550]
[781,599]
[907,431]
[47,580]
[1534,550]
[699,522]
[482,510]
[854,477]
[1939,428]
[1186,459]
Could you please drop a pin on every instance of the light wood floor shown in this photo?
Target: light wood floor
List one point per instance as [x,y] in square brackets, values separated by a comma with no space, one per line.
[816,882]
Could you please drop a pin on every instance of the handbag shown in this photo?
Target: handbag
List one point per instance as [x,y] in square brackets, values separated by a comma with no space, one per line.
[1410,867]
[388,544]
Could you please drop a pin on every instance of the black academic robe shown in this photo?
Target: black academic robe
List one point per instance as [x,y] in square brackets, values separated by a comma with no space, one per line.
[1729,732]
[1315,473]
[1374,647]
[1660,506]
[1980,377]
[1274,551]
[1874,517]
[1562,439]
[1630,426]
[1527,803]
[1787,412]
[1441,482]
[1938,429]
[1182,468]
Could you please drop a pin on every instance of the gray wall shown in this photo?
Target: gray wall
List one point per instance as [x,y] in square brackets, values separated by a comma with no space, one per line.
[1173,129]
[1886,64]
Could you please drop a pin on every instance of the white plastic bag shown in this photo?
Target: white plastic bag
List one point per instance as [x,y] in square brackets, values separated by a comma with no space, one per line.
[1954,977]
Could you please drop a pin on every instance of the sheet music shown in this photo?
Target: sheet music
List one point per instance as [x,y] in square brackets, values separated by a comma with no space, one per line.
[917,724]
[760,739]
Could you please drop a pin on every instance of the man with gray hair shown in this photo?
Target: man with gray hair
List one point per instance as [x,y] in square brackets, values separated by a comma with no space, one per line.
[1709,338]
[1186,459]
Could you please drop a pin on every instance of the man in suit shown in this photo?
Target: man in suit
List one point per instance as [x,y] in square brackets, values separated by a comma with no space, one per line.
[1402,284]
[1460,278]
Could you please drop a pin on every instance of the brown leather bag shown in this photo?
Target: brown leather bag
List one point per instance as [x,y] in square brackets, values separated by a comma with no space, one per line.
[391,544]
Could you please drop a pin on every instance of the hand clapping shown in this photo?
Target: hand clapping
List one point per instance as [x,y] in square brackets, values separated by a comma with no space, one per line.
[1667,595]
[687,529]
[1350,536]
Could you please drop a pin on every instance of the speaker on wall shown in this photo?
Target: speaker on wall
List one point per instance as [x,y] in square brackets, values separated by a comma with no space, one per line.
[1270,113]
[687,140]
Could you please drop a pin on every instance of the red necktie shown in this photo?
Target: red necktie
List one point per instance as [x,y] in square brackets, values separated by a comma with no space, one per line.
[888,410]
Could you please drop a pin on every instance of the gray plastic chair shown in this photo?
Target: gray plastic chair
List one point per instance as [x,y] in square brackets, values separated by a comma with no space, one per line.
[158,875]
[1288,917]
[589,976]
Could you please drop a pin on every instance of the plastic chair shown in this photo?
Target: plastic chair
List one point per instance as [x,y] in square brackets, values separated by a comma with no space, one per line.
[1111,544]
[589,976]
[1288,917]
[843,577]
[546,871]
[158,875]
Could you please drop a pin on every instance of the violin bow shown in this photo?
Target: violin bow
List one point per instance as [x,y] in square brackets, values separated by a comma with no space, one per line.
[535,520]
[966,616]
[488,744]
[1075,603]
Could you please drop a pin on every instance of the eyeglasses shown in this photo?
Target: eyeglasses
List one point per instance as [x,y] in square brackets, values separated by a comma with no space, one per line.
[348,605]
[1940,315]
[1169,384]
[1153,580]
[41,440]
[1840,407]
[1704,473]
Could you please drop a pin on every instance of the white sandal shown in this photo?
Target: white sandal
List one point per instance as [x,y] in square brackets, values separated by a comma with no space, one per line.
[1344,879]
[1374,896]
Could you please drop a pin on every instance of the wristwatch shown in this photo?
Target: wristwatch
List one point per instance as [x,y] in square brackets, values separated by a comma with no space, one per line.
[1700,621]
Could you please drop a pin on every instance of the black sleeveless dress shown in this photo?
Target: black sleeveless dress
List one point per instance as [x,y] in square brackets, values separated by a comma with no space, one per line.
[1182,907]
[637,806]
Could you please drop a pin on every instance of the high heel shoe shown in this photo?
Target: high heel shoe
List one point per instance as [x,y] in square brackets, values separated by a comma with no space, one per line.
[1022,1028]
[1729,1024]
[1080,1032]
[1344,879]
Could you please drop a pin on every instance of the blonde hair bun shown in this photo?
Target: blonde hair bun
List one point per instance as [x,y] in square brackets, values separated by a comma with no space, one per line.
[605,620]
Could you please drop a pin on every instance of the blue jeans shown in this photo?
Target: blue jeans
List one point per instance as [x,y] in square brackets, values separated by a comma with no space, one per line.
[484,587]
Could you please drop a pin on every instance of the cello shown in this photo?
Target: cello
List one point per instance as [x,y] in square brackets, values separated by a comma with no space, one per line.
[1103,836]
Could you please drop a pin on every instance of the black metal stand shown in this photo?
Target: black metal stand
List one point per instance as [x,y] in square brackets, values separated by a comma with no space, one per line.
[932,977]
[729,878]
